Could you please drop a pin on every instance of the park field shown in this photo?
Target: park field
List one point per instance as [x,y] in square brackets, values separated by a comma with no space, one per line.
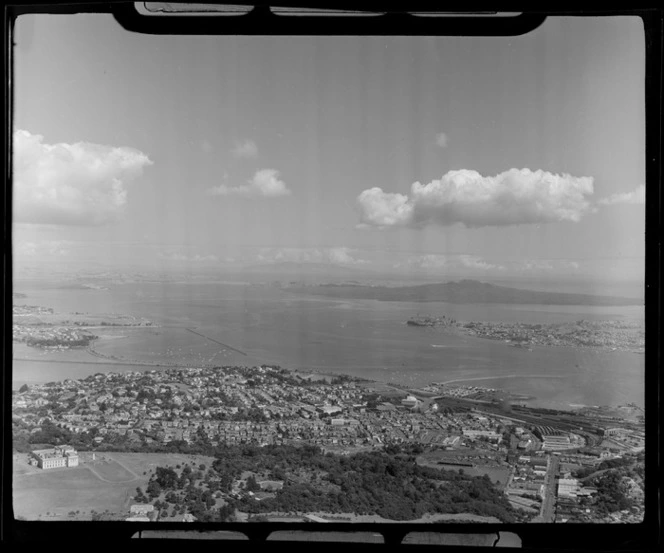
[106,484]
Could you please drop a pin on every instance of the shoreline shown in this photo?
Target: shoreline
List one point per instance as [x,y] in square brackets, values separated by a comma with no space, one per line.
[541,335]
[404,387]
[392,376]
[472,379]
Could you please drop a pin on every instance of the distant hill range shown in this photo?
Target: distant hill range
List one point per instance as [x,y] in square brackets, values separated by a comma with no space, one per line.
[463,291]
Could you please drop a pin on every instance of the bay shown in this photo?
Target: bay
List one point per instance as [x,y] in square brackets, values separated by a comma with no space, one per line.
[248,324]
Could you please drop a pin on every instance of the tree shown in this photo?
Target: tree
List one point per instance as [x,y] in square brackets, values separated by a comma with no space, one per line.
[154,489]
[166,477]
[417,449]
[393,449]
[226,513]
[252,484]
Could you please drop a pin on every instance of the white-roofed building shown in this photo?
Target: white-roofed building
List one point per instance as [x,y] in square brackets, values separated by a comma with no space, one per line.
[59,456]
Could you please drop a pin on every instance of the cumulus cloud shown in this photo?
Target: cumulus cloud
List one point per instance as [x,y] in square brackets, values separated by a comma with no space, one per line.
[265,183]
[343,256]
[514,197]
[384,209]
[442,140]
[337,256]
[636,196]
[71,184]
[245,149]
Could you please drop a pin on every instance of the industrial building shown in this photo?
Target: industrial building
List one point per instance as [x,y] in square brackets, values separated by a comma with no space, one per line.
[554,443]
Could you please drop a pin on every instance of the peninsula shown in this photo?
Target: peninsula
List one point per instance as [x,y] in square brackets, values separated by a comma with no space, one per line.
[463,291]
[611,334]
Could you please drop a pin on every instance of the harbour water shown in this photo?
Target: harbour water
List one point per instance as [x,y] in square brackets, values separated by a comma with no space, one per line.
[225,324]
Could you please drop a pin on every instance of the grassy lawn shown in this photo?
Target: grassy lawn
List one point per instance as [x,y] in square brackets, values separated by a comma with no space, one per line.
[500,474]
[109,483]
[139,463]
[60,491]
[112,472]
[106,484]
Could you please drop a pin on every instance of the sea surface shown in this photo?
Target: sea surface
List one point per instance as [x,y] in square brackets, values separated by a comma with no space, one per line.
[237,324]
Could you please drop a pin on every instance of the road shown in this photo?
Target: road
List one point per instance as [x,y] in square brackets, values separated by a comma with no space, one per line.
[547,511]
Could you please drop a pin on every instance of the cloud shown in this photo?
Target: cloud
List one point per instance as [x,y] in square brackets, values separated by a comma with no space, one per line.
[571,265]
[265,183]
[384,209]
[71,184]
[26,248]
[451,262]
[442,140]
[336,256]
[636,196]
[208,257]
[173,256]
[342,256]
[475,262]
[177,256]
[29,248]
[514,197]
[245,149]
[292,255]
[429,261]
[545,265]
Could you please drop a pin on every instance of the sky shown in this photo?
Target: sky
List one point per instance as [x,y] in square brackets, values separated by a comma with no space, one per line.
[484,156]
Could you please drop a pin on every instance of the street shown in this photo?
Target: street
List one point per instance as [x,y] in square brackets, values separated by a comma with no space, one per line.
[547,511]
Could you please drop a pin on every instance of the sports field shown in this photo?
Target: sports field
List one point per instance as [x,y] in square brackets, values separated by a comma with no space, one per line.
[56,492]
[111,471]
[496,474]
